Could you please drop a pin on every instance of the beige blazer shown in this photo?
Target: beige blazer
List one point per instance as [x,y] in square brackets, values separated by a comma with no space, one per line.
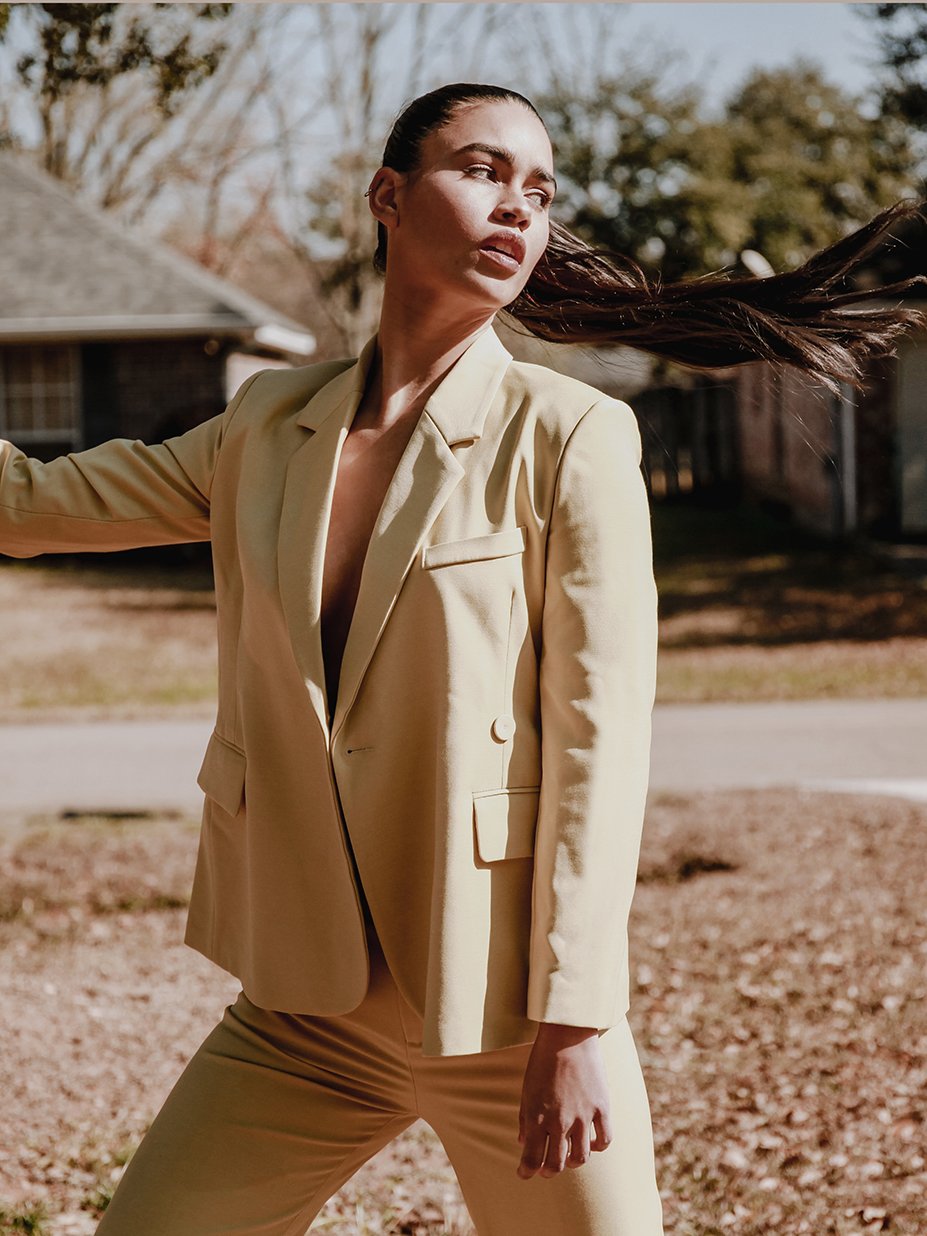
[491,738]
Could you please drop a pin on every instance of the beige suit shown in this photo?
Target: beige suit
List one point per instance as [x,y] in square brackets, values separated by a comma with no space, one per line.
[491,738]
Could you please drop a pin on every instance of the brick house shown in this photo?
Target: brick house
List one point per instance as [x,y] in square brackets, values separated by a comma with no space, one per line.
[106,333]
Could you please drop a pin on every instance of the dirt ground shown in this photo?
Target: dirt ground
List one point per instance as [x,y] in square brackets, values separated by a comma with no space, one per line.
[778,938]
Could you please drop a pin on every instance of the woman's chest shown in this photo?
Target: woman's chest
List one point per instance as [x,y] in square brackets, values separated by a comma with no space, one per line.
[363,472]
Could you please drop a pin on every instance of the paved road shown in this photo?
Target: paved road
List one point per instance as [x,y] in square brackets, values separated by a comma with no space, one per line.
[864,745]
[122,765]
[875,746]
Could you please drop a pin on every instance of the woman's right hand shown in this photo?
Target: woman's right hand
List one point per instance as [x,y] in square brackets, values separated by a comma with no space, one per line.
[564,1114]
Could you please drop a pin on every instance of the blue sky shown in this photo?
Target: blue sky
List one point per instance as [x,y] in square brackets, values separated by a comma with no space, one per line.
[726,39]
[720,43]
[716,44]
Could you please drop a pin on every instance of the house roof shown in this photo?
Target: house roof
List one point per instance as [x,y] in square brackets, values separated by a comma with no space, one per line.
[69,270]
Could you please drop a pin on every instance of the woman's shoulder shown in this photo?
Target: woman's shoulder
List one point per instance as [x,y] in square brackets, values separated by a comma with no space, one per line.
[557,399]
[297,381]
[554,409]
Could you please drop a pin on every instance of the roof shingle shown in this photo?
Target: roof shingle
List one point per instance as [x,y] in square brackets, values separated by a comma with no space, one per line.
[69,269]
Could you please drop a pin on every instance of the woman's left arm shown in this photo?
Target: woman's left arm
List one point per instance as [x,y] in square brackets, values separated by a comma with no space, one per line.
[597,686]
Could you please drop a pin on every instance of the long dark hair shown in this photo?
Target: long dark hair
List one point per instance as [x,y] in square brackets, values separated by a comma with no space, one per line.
[579,293]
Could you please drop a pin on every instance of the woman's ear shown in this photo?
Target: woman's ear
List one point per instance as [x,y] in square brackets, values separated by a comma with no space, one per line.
[384,193]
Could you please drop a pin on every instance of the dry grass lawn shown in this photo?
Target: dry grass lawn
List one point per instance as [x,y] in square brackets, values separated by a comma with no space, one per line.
[779,1004]
[754,610]
[99,637]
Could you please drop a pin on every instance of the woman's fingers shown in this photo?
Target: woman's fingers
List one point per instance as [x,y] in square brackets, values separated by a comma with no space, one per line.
[580,1145]
[550,1151]
[534,1140]
[558,1147]
[603,1130]
[564,1111]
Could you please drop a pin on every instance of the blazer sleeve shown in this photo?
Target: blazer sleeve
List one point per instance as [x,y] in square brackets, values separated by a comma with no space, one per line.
[597,681]
[121,494]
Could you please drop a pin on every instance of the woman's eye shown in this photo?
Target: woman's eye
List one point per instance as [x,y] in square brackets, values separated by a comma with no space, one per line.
[544,199]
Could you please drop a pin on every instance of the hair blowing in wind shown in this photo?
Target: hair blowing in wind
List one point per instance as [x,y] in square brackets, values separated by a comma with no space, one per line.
[579,293]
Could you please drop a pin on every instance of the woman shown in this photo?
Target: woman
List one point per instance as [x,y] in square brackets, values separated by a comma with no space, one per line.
[437,650]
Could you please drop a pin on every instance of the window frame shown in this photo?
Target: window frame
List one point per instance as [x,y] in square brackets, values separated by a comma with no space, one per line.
[40,387]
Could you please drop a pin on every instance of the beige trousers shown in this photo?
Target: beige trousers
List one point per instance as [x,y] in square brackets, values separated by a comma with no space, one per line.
[275,1112]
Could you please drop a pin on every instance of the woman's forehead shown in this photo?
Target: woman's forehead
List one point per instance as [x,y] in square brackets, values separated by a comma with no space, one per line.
[506,125]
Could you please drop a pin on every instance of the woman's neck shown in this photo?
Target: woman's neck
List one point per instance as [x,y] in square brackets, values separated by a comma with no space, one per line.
[414,352]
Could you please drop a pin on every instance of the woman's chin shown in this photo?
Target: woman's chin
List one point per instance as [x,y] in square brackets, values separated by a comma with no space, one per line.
[496,290]
[479,290]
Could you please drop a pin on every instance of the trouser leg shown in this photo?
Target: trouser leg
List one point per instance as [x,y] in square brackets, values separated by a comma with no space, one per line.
[272,1115]
[472,1103]
[275,1112]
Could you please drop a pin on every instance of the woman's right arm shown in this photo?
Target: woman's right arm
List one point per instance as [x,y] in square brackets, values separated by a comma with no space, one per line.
[119,495]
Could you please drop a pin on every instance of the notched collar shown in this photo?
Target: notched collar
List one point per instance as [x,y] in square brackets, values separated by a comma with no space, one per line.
[458,405]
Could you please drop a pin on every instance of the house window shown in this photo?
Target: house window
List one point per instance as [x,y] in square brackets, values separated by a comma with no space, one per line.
[39,394]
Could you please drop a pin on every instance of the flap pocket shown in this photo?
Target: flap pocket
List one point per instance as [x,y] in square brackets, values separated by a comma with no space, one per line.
[474,548]
[222,774]
[505,822]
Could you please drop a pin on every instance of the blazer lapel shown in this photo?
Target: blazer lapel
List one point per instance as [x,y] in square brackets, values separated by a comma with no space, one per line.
[428,471]
[307,498]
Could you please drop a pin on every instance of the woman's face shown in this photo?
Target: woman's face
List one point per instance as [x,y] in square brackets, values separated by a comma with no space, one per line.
[449,210]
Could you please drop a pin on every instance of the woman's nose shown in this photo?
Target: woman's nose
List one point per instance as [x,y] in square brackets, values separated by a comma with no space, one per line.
[513,208]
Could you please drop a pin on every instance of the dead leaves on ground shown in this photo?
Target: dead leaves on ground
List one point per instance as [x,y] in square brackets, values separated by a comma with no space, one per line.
[780,1012]
[779,962]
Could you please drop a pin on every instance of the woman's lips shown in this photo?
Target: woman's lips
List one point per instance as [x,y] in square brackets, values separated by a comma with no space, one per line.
[501,259]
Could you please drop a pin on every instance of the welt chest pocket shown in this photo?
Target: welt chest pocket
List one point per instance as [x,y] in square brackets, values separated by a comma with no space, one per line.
[500,544]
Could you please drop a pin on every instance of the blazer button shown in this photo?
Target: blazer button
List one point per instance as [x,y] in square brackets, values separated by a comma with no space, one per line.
[503,727]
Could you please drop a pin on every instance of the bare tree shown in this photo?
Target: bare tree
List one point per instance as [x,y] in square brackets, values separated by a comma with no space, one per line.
[369,64]
[103,91]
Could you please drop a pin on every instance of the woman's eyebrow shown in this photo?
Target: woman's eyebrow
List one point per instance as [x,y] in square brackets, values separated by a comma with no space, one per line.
[507,156]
